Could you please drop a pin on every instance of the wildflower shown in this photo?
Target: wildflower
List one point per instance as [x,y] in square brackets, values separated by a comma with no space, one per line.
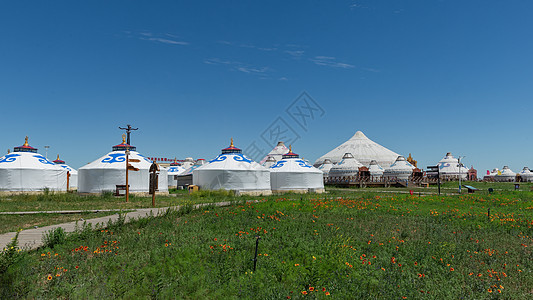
[77,267]
[304,292]
[296,265]
[452,269]
[311,288]
[489,290]
[327,293]
[49,277]
[323,289]
[43,254]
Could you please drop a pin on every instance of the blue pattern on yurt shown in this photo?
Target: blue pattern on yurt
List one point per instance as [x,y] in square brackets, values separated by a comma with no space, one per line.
[241,157]
[43,160]
[218,158]
[144,158]
[114,157]
[173,169]
[302,163]
[65,167]
[9,158]
[236,157]
[279,164]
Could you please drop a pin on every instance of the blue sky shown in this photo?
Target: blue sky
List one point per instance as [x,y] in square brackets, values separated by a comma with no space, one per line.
[422,77]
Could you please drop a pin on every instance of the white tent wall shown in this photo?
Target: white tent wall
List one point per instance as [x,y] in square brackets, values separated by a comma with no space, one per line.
[106,180]
[285,181]
[108,171]
[32,180]
[242,180]
[162,180]
[30,171]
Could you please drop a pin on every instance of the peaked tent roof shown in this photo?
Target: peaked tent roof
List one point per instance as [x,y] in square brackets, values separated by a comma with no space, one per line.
[363,149]
[276,153]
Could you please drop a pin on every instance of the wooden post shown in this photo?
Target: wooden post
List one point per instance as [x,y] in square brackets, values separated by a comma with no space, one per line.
[68,180]
[127,183]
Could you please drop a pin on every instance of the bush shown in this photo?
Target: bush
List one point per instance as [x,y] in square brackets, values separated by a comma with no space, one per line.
[54,237]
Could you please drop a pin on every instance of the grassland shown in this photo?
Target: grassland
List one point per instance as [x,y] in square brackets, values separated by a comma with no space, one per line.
[11,223]
[343,245]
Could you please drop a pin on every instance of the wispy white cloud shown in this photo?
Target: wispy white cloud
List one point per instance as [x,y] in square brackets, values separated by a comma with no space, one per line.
[165,38]
[330,61]
[253,70]
[295,53]
[239,66]
[165,41]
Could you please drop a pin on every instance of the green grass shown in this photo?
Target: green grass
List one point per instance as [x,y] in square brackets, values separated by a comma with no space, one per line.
[11,223]
[363,245]
[67,201]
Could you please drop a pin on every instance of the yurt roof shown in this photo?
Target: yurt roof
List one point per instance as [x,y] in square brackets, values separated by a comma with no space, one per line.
[58,161]
[326,165]
[525,170]
[25,148]
[363,149]
[231,158]
[175,170]
[199,163]
[401,164]
[124,146]
[292,163]
[507,172]
[277,152]
[348,162]
[24,157]
[375,168]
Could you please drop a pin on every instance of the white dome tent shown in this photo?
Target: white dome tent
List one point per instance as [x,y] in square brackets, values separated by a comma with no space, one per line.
[325,167]
[108,171]
[189,162]
[269,162]
[185,177]
[363,149]
[295,175]
[231,170]
[526,175]
[401,169]
[346,169]
[25,170]
[276,153]
[73,179]
[505,174]
[376,171]
[174,170]
[449,169]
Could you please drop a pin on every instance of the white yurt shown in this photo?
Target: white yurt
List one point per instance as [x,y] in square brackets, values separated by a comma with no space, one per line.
[276,153]
[376,171]
[108,171]
[505,175]
[292,174]
[526,175]
[449,169]
[363,149]
[346,169]
[73,179]
[401,169]
[231,170]
[269,162]
[189,162]
[325,167]
[174,170]
[25,170]
[198,163]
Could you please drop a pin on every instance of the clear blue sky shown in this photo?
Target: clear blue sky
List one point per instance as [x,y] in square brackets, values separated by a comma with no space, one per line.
[425,76]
